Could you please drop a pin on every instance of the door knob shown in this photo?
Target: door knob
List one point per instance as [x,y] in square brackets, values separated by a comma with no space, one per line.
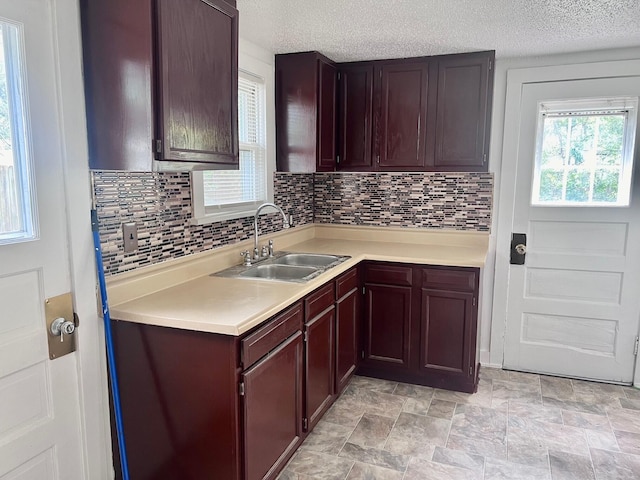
[61,327]
[518,248]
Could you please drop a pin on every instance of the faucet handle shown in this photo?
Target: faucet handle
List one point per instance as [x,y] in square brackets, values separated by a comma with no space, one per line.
[271,248]
[264,251]
[247,258]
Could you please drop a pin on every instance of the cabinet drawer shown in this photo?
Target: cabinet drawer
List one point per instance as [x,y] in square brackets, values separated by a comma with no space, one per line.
[346,282]
[445,279]
[262,341]
[318,301]
[388,274]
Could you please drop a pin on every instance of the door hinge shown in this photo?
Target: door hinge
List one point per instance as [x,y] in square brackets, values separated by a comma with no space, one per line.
[363,290]
[157,146]
[362,354]
[305,423]
[470,371]
[635,348]
[474,301]
[338,75]
[241,389]
[490,64]
[484,158]
[304,336]
[337,158]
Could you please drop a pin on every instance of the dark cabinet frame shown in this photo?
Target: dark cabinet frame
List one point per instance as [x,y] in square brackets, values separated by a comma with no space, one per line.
[191,74]
[452,126]
[201,405]
[306,85]
[127,108]
[434,346]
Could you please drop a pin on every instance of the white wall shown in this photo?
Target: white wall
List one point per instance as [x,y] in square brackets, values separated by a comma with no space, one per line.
[491,345]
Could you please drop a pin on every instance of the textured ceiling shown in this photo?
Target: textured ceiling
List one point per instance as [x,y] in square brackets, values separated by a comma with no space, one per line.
[346,30]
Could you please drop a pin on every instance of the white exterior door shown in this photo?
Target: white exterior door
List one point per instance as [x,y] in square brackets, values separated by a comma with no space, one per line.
[573,308]
[40,411]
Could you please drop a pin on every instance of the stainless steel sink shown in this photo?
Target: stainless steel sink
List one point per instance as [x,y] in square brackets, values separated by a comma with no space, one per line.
[279,272]
[307,259]
[285,267]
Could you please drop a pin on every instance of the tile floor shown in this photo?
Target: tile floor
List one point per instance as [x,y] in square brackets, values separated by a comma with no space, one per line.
[517,426]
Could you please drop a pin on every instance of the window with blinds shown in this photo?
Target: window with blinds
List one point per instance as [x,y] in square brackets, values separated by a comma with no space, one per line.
[245,188]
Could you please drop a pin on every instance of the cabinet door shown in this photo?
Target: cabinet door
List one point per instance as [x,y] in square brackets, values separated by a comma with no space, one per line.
[326,136]
[118,58]
[447,332]
[401,113]
[387,325]
[347,319]
[319,365]
[198,81]
[465,85]
[273,410]
[355,120]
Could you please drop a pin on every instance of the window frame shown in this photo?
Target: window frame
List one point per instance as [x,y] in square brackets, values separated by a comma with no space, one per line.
[595,106]
[252,65]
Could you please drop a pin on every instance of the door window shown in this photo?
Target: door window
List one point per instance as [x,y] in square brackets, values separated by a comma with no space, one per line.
[584,152]
[17,206]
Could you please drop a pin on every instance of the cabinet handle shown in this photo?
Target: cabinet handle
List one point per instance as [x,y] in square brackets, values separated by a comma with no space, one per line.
[418,136]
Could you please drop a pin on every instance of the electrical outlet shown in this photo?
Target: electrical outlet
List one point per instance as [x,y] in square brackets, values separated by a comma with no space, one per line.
[130,236]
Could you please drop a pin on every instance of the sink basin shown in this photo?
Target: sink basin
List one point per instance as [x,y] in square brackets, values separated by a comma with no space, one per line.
[285,267]
[279,272]
[306,259]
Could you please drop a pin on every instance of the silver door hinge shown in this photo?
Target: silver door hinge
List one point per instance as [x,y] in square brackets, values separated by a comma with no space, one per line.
[305,423]
[362,354]
[470,371]
[490,64]
[157,145]
[363,289]
[635,348]
[474,301]
[304,336]
[337,158]
[241,389]
[484,158]
[338,75]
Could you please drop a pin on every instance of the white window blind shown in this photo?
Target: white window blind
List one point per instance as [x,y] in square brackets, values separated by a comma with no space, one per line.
[226,190]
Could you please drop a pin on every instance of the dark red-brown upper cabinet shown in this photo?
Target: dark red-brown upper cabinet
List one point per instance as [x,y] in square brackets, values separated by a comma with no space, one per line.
[401,116]
[170,99]
[465,92]
[305,112]
[355,120]
[198,81]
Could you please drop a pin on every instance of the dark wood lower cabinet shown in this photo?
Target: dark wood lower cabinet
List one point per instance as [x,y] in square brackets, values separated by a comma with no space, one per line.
[319,366]
[420,325]
[387,325]
[180,408]
[347,344]
[272,410]
[200,406]
[446,335]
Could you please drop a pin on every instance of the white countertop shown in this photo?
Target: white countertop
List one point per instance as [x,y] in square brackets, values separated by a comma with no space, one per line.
[182,294]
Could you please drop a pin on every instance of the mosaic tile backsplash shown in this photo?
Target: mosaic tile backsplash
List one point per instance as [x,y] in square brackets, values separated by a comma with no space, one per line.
[459,201]
[160,205]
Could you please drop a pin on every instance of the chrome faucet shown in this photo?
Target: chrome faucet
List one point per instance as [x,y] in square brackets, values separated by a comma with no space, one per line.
[256,253]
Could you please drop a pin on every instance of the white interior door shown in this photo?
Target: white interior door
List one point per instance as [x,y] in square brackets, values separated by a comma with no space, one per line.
[40,427]
[573,309]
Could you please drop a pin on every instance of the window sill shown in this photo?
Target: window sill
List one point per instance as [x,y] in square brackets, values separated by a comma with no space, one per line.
[222,217]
